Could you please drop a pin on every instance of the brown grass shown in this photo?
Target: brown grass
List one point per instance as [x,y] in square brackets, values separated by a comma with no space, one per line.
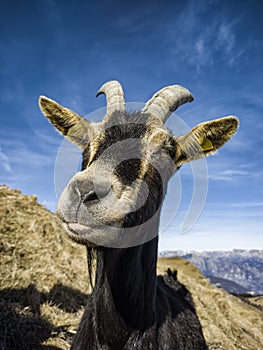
[228,323]
[44,284]
[43,276]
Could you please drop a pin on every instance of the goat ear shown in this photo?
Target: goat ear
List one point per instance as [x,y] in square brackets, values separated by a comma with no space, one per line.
[67,122]
[205,139]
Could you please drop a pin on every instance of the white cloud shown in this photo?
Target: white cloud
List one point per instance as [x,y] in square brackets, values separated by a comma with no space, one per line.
[246,205]
[235,174]
[200,41]
[48,140]
[22,164]
[229,175]
[225,37]
[28,158]
[5,162]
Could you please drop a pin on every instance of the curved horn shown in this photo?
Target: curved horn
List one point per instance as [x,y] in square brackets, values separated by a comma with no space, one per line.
[114,96]
[166,101]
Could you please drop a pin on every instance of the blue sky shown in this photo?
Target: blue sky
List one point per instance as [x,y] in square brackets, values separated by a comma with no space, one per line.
[67,49]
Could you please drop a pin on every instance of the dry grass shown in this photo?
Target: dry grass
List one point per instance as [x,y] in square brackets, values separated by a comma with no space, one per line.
[43,286]
[257,301]
[43,276]
[228,323]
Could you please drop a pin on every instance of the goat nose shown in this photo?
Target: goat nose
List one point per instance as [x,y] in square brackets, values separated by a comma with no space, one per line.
[93,195]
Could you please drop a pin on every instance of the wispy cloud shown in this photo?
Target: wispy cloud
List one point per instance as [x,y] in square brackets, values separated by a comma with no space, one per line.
[22,163]
[202,43]
[52,142]
[5,162]
[230,175]
[246,205]
[225,170]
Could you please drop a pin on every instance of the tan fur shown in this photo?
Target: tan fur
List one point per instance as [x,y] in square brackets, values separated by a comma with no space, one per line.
[217,132]
[67,122]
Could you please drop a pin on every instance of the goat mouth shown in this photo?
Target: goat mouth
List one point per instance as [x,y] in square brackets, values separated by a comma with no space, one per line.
[80,229]
[77,232]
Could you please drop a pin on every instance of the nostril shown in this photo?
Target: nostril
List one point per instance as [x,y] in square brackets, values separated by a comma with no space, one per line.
[95,195]
[90,196]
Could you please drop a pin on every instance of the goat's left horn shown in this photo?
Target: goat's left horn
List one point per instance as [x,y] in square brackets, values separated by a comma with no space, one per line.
[166,101]
[114,96]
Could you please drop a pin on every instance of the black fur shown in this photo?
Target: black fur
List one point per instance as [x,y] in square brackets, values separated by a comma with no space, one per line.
[130,307]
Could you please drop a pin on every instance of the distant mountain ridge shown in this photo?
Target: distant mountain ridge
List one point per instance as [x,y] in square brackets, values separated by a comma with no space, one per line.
[241,267]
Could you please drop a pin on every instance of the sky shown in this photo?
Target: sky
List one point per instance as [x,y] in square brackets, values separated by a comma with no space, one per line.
[67,49]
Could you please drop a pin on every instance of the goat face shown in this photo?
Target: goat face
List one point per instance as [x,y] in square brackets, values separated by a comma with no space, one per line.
[127,161]
[118,194]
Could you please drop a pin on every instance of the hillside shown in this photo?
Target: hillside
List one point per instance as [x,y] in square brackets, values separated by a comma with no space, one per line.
[228,323]
[43,286]
[42,278]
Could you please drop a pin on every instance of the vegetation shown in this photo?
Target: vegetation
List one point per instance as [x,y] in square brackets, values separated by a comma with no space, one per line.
[44,284]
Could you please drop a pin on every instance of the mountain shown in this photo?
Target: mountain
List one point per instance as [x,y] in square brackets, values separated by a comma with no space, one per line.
[229,286]
[241,267]
[44,286]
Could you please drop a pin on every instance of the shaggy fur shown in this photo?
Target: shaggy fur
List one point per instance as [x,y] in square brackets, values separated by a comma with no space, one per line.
[131,308]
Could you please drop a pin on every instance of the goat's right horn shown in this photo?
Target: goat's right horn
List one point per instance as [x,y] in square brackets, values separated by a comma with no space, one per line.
[166,101]
[114,96]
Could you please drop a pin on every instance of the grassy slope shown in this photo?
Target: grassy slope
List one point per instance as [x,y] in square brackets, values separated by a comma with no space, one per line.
[43,286]
[42,278]
[228,323]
